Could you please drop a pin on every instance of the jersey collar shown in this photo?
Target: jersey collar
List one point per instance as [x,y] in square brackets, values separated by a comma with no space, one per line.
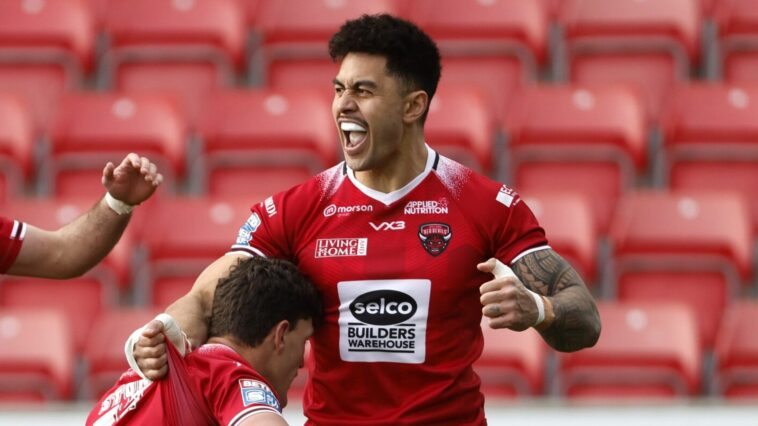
[432,159]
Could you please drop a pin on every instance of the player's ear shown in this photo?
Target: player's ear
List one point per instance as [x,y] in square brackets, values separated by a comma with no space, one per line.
[280,330]
[415,105]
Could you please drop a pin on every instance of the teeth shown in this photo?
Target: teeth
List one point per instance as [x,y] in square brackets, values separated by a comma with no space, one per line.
[356,137]
[349,126]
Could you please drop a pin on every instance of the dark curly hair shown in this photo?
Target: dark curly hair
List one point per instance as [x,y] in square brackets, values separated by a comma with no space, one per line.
[257,294]
[411,54]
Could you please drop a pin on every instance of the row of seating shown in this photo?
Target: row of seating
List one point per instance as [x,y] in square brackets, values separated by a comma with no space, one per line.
[591,139]
[646,351]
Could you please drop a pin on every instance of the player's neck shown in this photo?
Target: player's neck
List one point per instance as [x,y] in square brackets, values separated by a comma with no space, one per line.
[395,174]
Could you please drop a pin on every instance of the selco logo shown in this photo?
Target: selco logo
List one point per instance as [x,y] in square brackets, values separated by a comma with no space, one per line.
[383,307]
[332,209]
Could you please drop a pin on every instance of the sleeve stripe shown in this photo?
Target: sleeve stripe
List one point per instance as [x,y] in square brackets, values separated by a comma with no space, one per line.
[22,234]
[531,250]
[242,415]
[247,249]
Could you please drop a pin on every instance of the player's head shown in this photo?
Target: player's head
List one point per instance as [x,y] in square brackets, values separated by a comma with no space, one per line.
[268,304]
[388,74]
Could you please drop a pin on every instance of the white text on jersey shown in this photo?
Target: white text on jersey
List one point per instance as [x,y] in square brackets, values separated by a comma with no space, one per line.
[388,226]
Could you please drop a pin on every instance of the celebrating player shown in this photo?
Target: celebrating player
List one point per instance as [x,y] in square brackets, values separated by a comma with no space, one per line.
[263,314]
[401,242]
[78,246]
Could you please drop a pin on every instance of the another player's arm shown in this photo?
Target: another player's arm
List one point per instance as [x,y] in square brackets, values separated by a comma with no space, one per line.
[576,322]
[264,419]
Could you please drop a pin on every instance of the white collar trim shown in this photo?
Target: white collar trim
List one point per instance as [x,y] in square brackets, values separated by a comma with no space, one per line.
[391,197]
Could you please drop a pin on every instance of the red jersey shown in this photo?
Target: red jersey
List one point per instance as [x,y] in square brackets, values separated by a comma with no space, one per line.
[232,389]
[400,286]
[12,234]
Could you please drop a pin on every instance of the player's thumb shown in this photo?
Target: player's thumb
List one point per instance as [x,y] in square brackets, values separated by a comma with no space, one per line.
[173,332]
[487,266]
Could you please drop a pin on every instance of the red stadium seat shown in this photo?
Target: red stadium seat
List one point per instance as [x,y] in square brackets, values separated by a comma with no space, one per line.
[737,22]
[45,49]
[585,139]
[737,352]
[293,32]
[104,352]
[184,235]
[711,140]
[80,299]
[461,127]
[187,48]
[270,128]
[36,355]
[51,214]
[512,364]
[92,129]
[655,230]
[16,145]
[568,221]
[165,290]
[647,351]
[647,44]
[255,181]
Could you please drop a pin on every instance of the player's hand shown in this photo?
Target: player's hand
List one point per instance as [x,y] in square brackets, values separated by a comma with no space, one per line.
[506,301]
[150,351]
[133,181]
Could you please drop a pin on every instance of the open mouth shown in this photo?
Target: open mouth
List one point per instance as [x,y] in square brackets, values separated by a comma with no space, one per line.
[355,134]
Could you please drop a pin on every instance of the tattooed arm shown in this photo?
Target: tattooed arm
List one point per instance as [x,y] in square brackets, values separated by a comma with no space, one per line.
[571,321]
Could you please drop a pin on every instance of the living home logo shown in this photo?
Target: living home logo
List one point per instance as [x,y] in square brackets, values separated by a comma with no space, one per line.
[333,209]
[341,247]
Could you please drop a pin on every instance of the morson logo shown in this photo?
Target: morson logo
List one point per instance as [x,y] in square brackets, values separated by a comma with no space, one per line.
[435,237]
[383,307]
[388,226]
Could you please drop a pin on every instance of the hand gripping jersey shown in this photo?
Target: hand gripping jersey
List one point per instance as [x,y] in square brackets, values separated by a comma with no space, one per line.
[232,389]
[401,290]
[12,234]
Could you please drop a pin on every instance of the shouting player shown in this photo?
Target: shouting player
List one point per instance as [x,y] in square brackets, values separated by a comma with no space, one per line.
[401,242]
[78,246]
[262,315]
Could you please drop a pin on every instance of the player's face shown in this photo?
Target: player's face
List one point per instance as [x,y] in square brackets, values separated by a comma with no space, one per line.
[368,109]
[293,357]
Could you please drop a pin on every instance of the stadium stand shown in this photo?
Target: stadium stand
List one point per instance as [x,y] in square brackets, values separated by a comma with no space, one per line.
[17,146]
[737,22]
[737,352]
[36,355]
[577,138]
[646,351]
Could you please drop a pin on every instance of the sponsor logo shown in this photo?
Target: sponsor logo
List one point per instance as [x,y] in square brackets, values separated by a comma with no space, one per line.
[506,196]
[388,226]
[426,207]
[333,209]
[256,392]
[245,234]
[270,206]
[435,237]
[124,399]
[383,320]
[341,247]
[383,307]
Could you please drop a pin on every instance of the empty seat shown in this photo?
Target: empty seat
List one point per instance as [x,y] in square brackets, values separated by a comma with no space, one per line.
[36,355]
[92,129]
[568,221]
[645,351]
[104,352]
[512,364]
[460,126]
[16,145]
[737,23]
[290,31]
[187,48]
[683,231]
[284,129]
[184,235]
[585,139]
[737,352]
[166,290]
[80,299]
[650,45]
[711,140]
[45,49]
[255,181]
[51,214]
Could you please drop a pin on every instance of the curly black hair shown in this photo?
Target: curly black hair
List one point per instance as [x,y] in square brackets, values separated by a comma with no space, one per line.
[411,54]
[257,294]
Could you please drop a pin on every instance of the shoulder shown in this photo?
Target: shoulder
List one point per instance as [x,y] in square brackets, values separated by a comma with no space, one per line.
[474,189]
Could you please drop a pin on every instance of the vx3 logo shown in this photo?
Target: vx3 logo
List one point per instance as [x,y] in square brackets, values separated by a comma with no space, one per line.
[388,226]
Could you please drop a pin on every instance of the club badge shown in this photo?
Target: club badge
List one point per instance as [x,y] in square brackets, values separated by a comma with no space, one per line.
[435,237]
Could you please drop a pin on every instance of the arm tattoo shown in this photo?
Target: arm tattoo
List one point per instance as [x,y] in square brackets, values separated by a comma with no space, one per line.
[577,323]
